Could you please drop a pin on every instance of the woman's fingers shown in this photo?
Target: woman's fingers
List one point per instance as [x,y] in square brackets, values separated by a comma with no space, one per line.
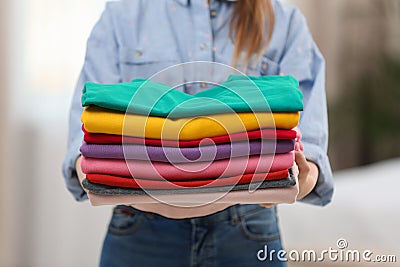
[81,175]
[302,164]
[307,176]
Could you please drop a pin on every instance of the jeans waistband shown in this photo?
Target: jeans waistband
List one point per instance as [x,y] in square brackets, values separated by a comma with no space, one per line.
[232,214]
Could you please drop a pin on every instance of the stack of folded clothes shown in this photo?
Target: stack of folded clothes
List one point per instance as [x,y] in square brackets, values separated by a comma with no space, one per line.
[144,139]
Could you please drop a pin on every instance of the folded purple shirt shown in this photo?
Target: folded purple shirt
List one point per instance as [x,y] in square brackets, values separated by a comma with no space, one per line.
[187,154]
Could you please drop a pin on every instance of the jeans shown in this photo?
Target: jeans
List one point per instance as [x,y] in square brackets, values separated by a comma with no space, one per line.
[232,237]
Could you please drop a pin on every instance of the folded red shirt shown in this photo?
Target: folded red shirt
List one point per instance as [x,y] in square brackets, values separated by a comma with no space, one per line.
[96,138]
[128,182]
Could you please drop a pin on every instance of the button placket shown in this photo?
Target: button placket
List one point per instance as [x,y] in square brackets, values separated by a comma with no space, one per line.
[203,30]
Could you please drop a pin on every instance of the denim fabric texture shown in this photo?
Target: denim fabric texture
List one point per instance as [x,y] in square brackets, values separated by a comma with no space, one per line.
[231,237]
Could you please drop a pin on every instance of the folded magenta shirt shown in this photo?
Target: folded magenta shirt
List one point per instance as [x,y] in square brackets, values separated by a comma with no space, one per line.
[264,134]
[137,38]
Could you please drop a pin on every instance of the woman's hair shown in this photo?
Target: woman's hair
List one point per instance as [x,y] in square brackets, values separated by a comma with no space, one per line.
[250,21]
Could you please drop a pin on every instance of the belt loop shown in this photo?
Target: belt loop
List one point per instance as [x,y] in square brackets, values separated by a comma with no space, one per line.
[234,215]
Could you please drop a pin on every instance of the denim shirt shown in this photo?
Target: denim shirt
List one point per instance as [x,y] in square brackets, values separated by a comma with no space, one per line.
[137,38]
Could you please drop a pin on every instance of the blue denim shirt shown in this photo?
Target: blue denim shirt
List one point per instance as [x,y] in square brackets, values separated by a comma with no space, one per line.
[137,38]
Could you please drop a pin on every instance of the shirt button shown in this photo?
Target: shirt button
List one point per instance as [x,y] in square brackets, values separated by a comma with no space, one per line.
[213,13]
[203,46]
[264,65]
[138,53]
[203,85]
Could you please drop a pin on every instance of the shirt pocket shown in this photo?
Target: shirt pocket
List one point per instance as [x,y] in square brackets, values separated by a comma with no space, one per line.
[144,63]
[260,225]
[125,221]
[267,66]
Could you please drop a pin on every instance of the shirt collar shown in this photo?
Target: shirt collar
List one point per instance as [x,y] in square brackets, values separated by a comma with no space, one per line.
[187,2]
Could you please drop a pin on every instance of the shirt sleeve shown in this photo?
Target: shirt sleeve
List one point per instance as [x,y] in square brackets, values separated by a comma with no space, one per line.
[303,60]
[100,66]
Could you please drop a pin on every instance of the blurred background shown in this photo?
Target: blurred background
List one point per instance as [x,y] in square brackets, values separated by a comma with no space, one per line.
[42,46]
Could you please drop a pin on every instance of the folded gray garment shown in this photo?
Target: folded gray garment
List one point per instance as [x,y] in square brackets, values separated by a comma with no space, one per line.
[195,205]
[112,190]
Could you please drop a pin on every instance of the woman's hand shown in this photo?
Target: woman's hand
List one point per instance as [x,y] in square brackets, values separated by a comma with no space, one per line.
[307,174]
[81,175]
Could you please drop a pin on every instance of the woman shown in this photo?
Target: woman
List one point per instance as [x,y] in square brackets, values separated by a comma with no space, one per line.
[135,39]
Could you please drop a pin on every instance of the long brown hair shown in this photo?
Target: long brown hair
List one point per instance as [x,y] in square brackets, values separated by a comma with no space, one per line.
[250,22]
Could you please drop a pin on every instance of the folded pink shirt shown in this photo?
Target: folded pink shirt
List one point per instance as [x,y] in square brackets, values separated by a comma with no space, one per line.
[188,171]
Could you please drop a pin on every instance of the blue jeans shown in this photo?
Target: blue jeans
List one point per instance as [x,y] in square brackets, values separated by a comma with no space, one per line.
[232,237]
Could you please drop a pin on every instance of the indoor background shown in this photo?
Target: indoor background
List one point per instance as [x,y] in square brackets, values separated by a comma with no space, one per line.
[42,46]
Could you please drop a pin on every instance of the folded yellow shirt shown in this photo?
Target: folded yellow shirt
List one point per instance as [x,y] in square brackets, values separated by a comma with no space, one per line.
[100,120]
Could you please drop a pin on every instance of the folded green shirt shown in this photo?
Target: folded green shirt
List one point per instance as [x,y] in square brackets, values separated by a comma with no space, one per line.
[237,94]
